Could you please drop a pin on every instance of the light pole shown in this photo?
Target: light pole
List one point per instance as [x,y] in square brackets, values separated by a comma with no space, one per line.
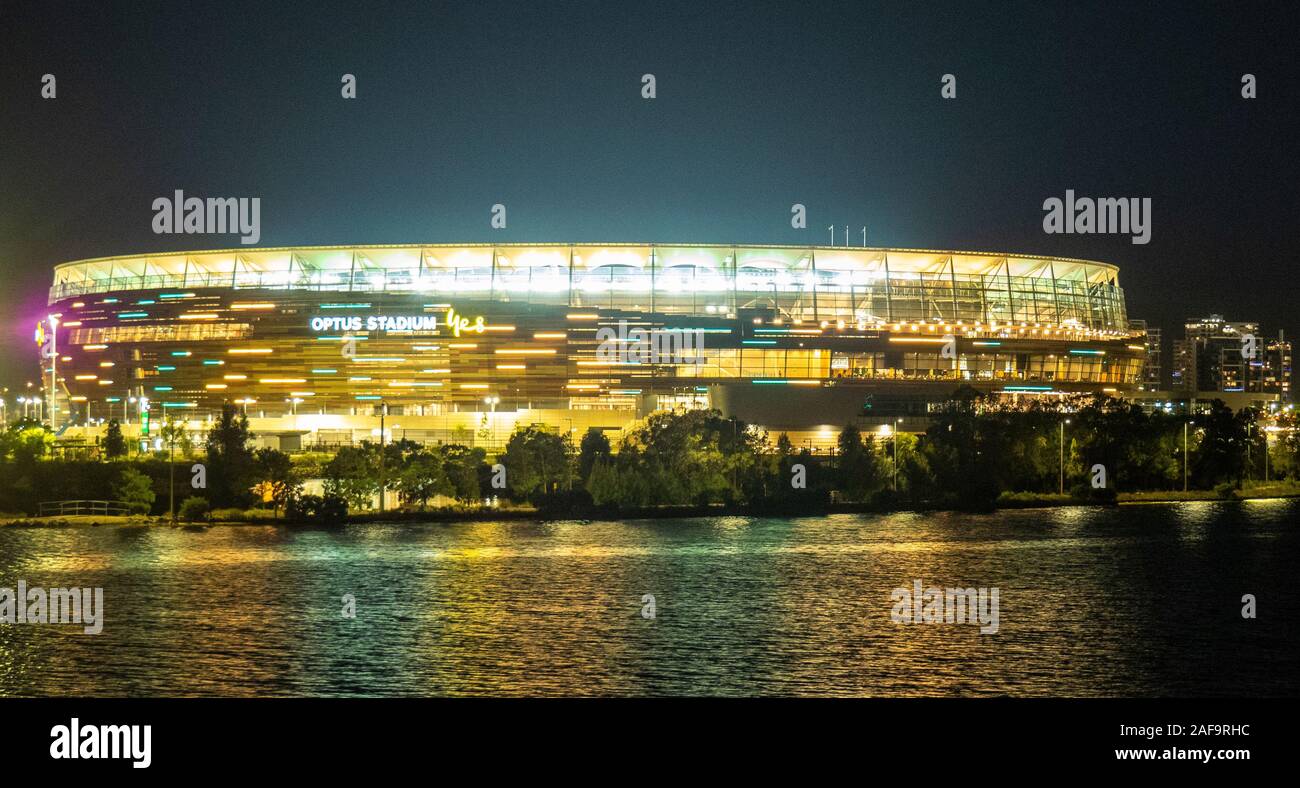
[171,470]
[1061,488]
[1185,422]
[1250,432]
[491,402]
[142,410]
[383,482]
[1265,431]
[897,422]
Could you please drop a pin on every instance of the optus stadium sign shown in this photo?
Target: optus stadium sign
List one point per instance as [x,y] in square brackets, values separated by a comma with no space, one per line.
[377,323]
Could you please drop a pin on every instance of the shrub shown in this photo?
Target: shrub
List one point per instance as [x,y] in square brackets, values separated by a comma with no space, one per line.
[135,490]
[194,508]
[327,510]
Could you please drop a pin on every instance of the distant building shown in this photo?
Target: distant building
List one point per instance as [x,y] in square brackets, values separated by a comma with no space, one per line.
[1182,372]
[1153,378]
[1275,376]
[1214,356]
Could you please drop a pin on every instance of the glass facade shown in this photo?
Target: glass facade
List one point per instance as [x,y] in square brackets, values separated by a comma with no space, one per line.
[436,331]
[800,283]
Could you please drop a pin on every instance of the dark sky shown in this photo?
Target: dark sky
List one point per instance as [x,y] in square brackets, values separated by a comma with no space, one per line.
[760,105]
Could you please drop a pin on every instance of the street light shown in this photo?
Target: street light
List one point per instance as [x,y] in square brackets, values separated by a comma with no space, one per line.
[491,402]
[1064,422]
[383,471]
[887,430]
[1185,423]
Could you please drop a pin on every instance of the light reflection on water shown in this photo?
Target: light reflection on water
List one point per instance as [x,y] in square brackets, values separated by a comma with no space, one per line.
[1140,600]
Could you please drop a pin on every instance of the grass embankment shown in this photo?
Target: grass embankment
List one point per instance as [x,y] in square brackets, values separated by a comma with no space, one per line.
[1024,500]
[1007,500]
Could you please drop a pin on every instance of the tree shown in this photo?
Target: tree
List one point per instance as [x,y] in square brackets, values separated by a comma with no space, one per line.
[464,466]
[594,447]
[537,462]
[230,460]
[350,475]
[958,447]
[422,476]
[135,490]
[691,457]
[277,475]
[1221,455]
[859,468]
[114,443]
[28,441]
[176,435]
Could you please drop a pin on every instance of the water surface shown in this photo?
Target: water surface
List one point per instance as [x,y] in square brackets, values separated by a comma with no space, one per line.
[1137,600]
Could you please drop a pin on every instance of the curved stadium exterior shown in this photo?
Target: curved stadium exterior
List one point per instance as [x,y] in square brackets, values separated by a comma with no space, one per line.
[309,340]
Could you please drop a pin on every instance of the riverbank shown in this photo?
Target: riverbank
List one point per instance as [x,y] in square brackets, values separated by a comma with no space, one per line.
[1019,500]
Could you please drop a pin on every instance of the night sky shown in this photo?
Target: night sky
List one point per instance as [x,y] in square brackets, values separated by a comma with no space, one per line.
[760,105]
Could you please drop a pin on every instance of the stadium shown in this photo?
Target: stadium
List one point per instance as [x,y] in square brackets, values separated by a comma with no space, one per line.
[450,341]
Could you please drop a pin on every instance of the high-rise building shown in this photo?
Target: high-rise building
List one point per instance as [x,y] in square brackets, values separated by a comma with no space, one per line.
[1152,368]
[1220,355]
[1182,372]
[1275,376]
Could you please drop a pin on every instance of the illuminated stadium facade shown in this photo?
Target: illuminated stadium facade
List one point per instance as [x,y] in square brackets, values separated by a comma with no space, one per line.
[457,338]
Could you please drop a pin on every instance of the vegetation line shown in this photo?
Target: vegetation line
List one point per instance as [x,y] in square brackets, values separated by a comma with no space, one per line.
[978,453]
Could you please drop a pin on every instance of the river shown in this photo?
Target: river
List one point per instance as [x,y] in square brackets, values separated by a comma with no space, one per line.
[1142,600]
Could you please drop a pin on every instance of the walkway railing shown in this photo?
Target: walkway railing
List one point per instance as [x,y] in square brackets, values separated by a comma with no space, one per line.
[50,508]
